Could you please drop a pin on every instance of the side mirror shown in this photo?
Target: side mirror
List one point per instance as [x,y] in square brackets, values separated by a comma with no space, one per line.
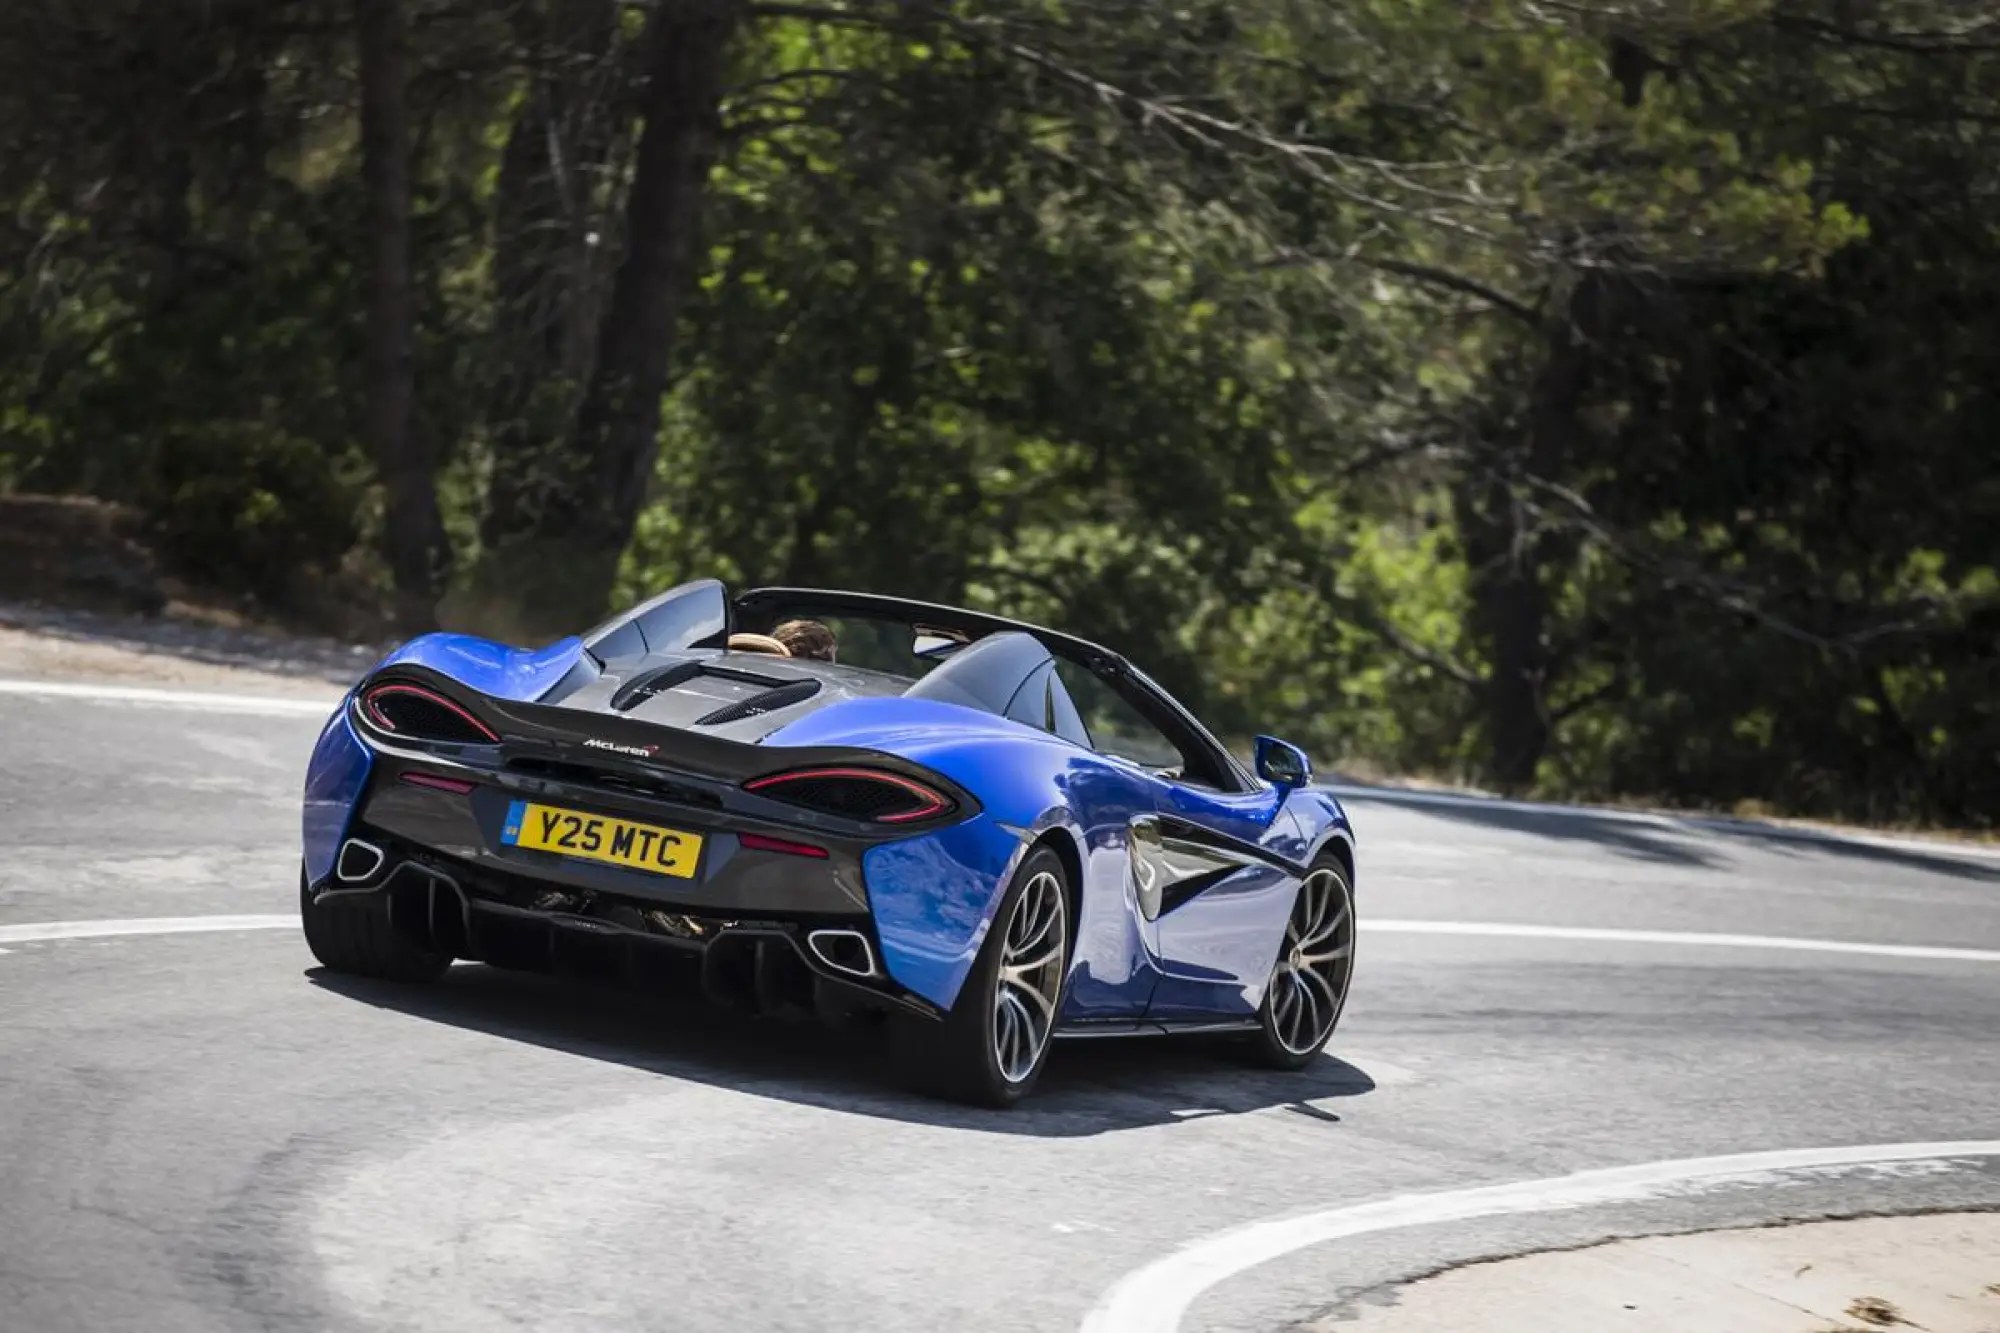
[1282,764]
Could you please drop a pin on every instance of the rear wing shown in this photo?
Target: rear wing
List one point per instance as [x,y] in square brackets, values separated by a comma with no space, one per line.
[554,741]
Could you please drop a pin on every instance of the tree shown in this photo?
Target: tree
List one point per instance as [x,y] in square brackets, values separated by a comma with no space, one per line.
[1575,398]
[586,517]
[414,533]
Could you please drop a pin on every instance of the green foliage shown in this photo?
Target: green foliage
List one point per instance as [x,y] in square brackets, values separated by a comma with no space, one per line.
[1593,400]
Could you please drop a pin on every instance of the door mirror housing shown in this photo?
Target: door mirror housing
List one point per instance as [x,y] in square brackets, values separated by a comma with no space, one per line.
[1282,764]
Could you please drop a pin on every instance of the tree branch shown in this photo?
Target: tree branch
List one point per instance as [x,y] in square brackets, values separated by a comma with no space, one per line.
[1456,282]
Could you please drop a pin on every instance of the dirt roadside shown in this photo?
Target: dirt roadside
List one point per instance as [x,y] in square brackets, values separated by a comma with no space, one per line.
[1939,1273]
[167,652]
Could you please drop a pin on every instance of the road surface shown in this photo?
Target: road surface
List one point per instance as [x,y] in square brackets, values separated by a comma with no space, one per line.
[202,1131]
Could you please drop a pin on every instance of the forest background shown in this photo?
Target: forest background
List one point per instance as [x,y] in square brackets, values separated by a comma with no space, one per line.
[1589,399]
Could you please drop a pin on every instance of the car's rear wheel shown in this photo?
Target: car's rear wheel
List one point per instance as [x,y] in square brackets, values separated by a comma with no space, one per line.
[990,1049]
[355,936]
[1308,986]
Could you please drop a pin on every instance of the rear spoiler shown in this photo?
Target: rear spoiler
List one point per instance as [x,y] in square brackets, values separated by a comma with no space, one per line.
[533,734]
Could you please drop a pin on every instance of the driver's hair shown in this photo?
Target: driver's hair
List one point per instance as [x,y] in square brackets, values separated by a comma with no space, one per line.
[808,639]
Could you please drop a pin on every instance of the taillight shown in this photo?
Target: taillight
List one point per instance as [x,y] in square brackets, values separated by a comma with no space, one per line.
[418,714]
[867,794]
[764,842]
[457,786]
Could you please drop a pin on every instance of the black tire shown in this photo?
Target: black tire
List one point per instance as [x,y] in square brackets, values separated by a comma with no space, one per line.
[354,936]
[1280,1042]
[957,1057]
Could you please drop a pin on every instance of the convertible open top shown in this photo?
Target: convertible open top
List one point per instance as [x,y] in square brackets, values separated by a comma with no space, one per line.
[703,615]
[668,660]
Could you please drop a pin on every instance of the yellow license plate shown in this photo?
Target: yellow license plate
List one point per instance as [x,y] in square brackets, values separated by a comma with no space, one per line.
[618,842]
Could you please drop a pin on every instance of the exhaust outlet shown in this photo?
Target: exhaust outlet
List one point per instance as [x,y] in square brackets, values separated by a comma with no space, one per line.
[358,862]
[844,951]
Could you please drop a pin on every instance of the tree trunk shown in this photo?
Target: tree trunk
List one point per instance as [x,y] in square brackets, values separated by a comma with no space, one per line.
[564,565]
[1509,618]
[414,534]
[1508,549]
[545,277]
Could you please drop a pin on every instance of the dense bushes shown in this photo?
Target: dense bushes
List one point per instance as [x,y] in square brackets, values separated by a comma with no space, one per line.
[1596,402]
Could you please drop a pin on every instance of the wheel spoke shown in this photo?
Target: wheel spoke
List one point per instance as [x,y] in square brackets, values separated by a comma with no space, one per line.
[1018,973]
[1033,939]
[1325,922]
[1007,1015]
[1003,1016]
[1021,995]
[1314,959]
[1281,995]
[1322,988]
[1305,915]
[1326,930]
[1038,915]
[1306,1017]
[1027,1035]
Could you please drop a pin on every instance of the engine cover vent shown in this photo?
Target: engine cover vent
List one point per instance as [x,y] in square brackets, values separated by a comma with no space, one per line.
[770,701]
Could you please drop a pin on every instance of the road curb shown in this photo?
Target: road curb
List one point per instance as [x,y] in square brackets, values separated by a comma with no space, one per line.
[1932,1271]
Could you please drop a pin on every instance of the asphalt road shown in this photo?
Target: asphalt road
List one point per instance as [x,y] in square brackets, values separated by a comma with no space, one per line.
[203,1132]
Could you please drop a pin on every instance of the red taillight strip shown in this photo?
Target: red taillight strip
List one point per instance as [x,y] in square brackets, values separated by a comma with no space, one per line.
[436,783]
[369,697]
[763,842]
[937,804]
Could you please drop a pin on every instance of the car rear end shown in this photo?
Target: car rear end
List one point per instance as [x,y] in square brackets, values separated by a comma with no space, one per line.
[604,842]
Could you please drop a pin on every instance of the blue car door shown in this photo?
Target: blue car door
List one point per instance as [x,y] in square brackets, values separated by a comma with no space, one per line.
[1209,893]
[1218,936]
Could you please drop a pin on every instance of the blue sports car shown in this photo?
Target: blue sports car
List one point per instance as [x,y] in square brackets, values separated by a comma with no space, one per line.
[987,834]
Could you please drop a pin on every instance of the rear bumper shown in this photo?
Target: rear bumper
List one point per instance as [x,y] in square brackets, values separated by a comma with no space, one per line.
[470,909]
[729,879]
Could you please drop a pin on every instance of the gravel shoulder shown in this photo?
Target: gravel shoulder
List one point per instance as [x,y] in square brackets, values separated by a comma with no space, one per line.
[173,652]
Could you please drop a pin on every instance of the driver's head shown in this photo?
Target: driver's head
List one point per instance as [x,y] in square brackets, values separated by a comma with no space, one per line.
[807,639]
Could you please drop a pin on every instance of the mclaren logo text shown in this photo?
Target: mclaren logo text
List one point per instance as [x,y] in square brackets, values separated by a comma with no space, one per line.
[637,751]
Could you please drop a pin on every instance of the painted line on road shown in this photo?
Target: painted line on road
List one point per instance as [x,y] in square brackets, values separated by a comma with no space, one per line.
[37,931]
[34,932]
[1153,1299]
[270,705]
[1693,939]
[1671,823]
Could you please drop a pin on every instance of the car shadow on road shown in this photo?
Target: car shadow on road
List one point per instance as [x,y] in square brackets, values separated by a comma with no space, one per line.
[1702,841]
[1090,1087]
[1622,836]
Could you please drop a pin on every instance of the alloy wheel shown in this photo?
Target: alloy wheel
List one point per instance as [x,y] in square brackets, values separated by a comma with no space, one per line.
[1309,984]
[1030,979]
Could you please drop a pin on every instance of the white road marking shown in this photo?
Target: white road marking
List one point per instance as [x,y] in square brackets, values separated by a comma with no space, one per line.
[270,705]
[35,931]
[1672,823]
[1154,1298]
[1696,939]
